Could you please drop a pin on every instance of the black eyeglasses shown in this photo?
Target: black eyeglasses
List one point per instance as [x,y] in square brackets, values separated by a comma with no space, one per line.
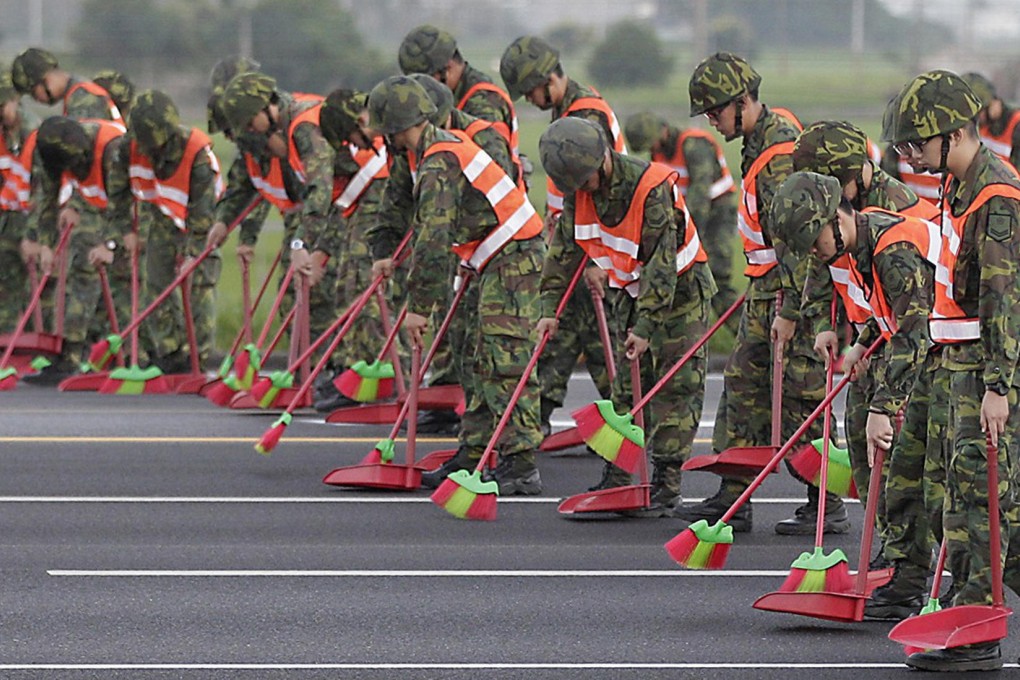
[913,146]
[715,112]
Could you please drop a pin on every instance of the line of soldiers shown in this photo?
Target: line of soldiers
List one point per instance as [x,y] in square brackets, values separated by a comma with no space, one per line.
[435,151]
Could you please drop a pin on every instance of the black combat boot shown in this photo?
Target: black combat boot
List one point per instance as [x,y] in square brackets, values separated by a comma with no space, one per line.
[803,521]
[902,597]
[517,475]
[712,509]
[985,657]
[612,477]
[460,461]
[665,495]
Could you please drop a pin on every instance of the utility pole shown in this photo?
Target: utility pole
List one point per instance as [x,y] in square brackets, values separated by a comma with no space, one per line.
[35,22]
[857,28]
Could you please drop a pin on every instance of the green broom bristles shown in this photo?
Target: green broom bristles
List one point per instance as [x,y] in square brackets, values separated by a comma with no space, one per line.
[608,433]
[701,546]
[463,494]
[807,462]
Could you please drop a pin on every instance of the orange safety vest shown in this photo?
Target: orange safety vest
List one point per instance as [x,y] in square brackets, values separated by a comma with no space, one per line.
[874,152]
[722,185]
[761,256]
[949,324]
[1001,144]
[17,176]
[171,195]
[615,249]
[93,188]
[923,184]
[517,219]
[98,91]
[554,198]
[509,133]
[788,115]
[373,164]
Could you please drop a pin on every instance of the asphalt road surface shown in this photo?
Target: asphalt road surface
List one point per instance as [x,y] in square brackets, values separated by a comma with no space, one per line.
[143,537]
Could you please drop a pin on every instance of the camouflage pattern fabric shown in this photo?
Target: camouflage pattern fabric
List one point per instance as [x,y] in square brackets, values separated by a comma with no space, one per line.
[718,80]
[398,103]
[119,87]
[30,67]
[156,122]
[527,63]
[805,202]
[572,150]
[484,104]
[426,49]
[224,70]
[14,284]
[82,104]
[245,96]
[643,130]
[338,117]
[934,103]
[441,96]
[981,87]
[835,148]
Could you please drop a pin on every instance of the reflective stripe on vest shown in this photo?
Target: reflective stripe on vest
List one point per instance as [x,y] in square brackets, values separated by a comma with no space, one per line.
[17,178]
[761,257]
[510,134]
[615,249]
[93,187]
[949,323]
[98,91]
[923,184]
[373,164]
[1002,143]
[517,218]
[723,183]
[171,195]
[874,152]
[271,184]
[553,196]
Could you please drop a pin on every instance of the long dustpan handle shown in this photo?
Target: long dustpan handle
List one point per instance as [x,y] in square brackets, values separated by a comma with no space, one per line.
[639,416]
[777,383]
[994,530]
[868,532]
[607,342]
[823,473]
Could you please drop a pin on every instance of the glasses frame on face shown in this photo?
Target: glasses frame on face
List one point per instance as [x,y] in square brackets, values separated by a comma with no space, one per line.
[914,146]
[715,113]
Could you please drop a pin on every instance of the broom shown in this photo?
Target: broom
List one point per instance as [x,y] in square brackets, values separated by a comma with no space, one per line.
[365,381]
[8,374]
[933,604]
[614,437]
[103,351]
[465,494]
[704,546]
[806,462]
[272,436]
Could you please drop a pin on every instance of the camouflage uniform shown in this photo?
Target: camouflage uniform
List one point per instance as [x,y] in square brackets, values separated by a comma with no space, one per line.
[160,138]
[314,221]
[716,218]
[448,210]
[14,287]
[69,145]
[669,310]
[992,131]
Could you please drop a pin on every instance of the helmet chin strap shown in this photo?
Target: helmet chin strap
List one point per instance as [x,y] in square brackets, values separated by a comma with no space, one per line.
[858,201]
[944,158]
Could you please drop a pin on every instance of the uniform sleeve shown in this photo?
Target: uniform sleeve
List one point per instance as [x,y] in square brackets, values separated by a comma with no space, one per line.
[658,258]
[561,260]
[239,193]
[440,188]
[395,214]
[317,157]
[998,238]
[201,204]
[908,283]
[488,105]
[1014,152]
[45,194]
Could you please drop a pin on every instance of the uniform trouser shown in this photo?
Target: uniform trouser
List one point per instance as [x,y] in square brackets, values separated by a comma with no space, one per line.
[448,365]
[913,484]
[165,251]
[674,413]
[718,241]
[500,343]
[14,289]
[858,399]
[578,334]
[744,414]
[965,518]
[83,298]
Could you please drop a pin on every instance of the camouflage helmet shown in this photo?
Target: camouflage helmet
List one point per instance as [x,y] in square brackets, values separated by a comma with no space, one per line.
[63,145]
[155,121]
[526,64]
[30,67]
[932,104]
[643,130]
[398,103]
[222,73]
[889,119]
[440,95]
[572,149]
[245,96]
[338,117]
[7,90]
[426,49]
[802,205]
[983,88]
[718,80]
[835,148]
[121,90]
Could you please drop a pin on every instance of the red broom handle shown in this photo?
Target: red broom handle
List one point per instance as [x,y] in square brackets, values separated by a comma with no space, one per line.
[277,303]
[522,383]
[607,342]
[187,270]
[687,357]
[245,298]
[994,535]
[33,281]
[788,446]
[61,305]
[391,330]
[65,235]
[823,473]
[254,305]
[870,511]
[940,564]
[412,400]
[189,326]
[287,320]
[135,282]
[111,310]
[777,382]
[639,417]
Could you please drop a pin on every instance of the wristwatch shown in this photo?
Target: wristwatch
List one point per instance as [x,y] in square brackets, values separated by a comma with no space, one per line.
[297,244]
[111,245]
[1000,388]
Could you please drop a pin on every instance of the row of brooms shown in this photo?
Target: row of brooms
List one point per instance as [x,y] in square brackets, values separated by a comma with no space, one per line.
[819,585]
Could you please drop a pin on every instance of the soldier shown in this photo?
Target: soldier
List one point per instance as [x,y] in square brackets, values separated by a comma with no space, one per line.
[497,234]
[360,171]
[629,217]
[120,89]
[88,157]
[975,319]
[724,87]
[531,68]
[176,178]
[707,186]
[290,164]
[37,73]
[998,123]
[15,165]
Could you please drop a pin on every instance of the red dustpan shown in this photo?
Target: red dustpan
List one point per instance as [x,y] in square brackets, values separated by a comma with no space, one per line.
[564,439]
[620,498]
[748,461]
[966,624]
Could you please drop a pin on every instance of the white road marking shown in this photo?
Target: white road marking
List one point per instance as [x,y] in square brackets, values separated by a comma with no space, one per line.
[446,666]
[416,573]
[395,500]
